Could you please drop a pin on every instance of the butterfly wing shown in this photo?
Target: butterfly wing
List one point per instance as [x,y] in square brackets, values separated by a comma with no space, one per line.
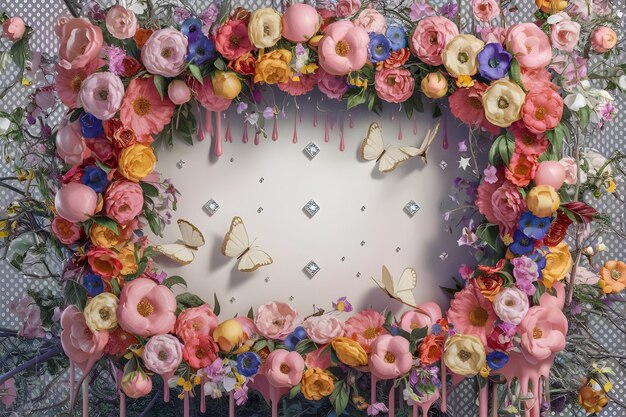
[236,240]
[373,145]
[253,259]
[391,159]
[388,282]
[177,252]
[428,140]
[191,234]
[406,285]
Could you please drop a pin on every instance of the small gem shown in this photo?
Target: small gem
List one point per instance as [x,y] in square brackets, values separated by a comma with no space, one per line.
[362,243]
[362,208]
[211,206]
[358,274]
[343,258]
[291,298]
[261,180]
[180,164]
[232,300]
[411,208]
[232,159]
[267,279]
[398,249]
[443,165]
[259,210]
[311,208]
[311,269]
[443,256]
[312,150]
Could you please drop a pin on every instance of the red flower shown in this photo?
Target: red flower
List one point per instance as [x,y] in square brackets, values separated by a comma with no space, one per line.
[521,169]
[119,342]
[200,351]
[431,349]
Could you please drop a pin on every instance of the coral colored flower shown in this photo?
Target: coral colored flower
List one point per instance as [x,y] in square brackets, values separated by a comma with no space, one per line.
[365,327]
[466,105]
[275,320]
[394,85]
[121,22]
[431,35]
[243,65]
[206,96]
[471,313]
[200,351]
[319,358]
[396,59]
[119,342]
[303,85]
[529,45]
[146,308]
[613,277]
[542,331]
[431,349]
[542,110]
[603,39]
[80,42]
[79,343]
[536,79]
[69,81]
[231,39]
[65,231]
[104,262]
[527,142]
[390,357]
[284,368]
[334,86]
[521,169]
[123,201]
[141,36]
[323,329]
[485,10]
[343,48]
[194,321]
[143,111]
[165,52]
[501,203]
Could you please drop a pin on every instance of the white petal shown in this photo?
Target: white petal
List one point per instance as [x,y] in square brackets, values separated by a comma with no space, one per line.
[575,102]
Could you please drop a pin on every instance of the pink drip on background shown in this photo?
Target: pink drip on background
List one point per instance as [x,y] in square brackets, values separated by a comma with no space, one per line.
[209,122]
[342,143]
[186,405]
[483,400]
[294,139]
[314,118]
[72,381]
[227,136]
[332,122]
[85,397]
[392,402]
[202,397]
[275,130]
[326,133]
[444,130]
[444,388]
[231,404]
[122,404]
[373,381]
[166,388]
[200,129]
[217,138]
[414,124]
[494,400]
[400,135]
[257,138]
[300,118]
[351,120]
[244,138]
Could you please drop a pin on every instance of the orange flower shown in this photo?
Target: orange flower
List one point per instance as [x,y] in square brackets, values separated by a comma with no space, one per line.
[395,60]
[141,36]
[593,401]
[489,286]
[431,349]
[613,277]
[243,65]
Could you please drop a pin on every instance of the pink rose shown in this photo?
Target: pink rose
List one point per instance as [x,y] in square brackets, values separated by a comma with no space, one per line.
[334,86]
[521,169]
[123,201]
[530,45]
[104,150]
[431,35]
[275,320]
[542,110]
[206,96]
[319,358]
[536,79]
[394,85]
[414,319]
[80,42]
[501,203]
[104,262]
[194,321]
[146,308]
[232,40]
[491,34]
[162,354]
[165,53]
[371,20]
[101,94]
[390,357]
[79,343]
[511,305]
[136,384]
[603,39]
[571,170]
[70,144]
[347,8]
[14,28]
[121,22]
[323,329]
[179,92]
[200,351]
[65,231]
[564,32]
[485,10]
[283,369]
[343,48]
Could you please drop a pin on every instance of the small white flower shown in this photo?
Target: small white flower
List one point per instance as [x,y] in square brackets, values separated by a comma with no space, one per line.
[621,82]
[575,101]
[5,124]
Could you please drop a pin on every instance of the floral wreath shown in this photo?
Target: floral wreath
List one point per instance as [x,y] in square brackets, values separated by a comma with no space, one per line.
[129,76]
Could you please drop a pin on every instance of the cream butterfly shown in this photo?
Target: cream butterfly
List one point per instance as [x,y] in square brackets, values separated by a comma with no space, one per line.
[389,157]
[237,245]
[184,252]
[403,290]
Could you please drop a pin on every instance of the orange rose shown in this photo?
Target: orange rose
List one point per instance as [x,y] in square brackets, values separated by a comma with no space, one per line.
[395,60]
[273,67]
[141,36]
[243,65]
[489,286]
[593,401]
[613,277]
[431,349]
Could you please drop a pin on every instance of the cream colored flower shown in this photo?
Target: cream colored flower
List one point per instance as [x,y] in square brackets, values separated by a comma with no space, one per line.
[460,56]
[265,27]
[503,102]
[101,312]
[464,354]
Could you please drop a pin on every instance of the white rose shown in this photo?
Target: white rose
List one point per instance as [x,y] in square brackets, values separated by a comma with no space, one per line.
[5,124]
[323,329]
[621,82]
[265,28]
[464,354]
[511,305]
[101,312]
[575,101]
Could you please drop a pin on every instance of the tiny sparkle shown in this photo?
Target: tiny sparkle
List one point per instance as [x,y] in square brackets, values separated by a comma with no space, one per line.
[312,150]
[232,300]
[362,208]
[443,256]
[443,165]
[259,210]
[398,249]
[343,258]
[358,274]
[211,206]
[261,180]
[362,243]
[311,269]
[411,208]
[311,208]
[291,298]
[180,164]
[267,279]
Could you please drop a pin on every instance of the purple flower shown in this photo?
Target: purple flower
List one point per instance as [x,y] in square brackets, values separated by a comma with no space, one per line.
[241,107]
[379,47]
[494,61]
[181,14]
[115,57]
[526,272]
[241,395]
[449,10]
[533,226]
[209,15]
[376,408]
[342,304]
[268,113]
[420,9]
[491,174]
[462,146]
[468,237]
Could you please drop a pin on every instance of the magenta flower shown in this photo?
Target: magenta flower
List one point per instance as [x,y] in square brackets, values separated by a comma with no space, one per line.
[343,305]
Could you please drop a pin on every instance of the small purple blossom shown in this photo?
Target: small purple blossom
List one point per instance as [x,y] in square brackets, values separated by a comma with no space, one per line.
[420,9]
[300,50]
[607,110]
[449,10]
[376,408]
[209,15]
[468,237]
[462,146]
[252,118]
[526,272]
[268,113]
[181,14]
[115,56]
[241,107]
[491,174]
[241,394]
[342,304]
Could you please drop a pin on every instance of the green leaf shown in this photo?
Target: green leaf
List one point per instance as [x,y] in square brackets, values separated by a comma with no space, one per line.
[161,85]
[584,114]
[506,149]
[155,227]
[436,111]
[295,391]
[489,234]
[224,11]
[115,287]
[216,305]
[339,397]
[103,167]
[75,294]
[305,346]
[149,189]
[108,223]
[76,115]
[356,100]
[19,51]
[556,137]
[250,314]
[175,280]
[515,72]
[196,72]
[419,333]
[189,300]
[494,151]
[219,64]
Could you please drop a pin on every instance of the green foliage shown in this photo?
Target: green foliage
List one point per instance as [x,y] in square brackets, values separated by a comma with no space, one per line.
[489,233]
[161,85]
[106,222]
[75,294]
[175,280]
[501,150]
[339,397]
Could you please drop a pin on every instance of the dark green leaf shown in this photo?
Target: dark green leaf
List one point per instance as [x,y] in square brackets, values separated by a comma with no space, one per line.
[419,333]
[219,64]
[19,50]
[196,72]
[115,287]
[250,314]
[515,72]
[161,85]
[175,280]
[295,391]
[224,11]
[108,223]
[75,294]
[506,148]
[76,115]
[584,114]
[189,300]
[356,100]
[305,346]
[103,167]
[489,234]
[216,305]
[149,189]
[153,222]
[494,151]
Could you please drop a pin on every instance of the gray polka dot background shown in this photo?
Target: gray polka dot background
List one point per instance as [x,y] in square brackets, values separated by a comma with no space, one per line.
[41,15]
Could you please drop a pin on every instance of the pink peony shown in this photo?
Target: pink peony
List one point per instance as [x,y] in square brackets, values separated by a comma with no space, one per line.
[394,85]
[14,28]
[231,39]
[162,354]
[390,357]
[101,94]
[136,384]
[334,86]
[283,369]
[536,79]
[501,203]
[146,308]
[194,321]
[104,262]
[343,48]
[8,392]
[371,20]
[65,231]
[69,81]
[200,351]
[485,10]
[323,329]
[123,201]
[521,169]
[511,305]
[491,34]
[414,319]
[365,327]
[529,45]
[165,53]
[104,150]
[319,358]
[466,104]
[542,110]
[121,22]
[80,344]
[205,96]
[571,170]
[527,142]
[29,314]
[80,42]
[143,111]
[564,32]
[471,313]
[603,39]
[275,320]
[347,8]
[431,35]
[303,85]
[70,144]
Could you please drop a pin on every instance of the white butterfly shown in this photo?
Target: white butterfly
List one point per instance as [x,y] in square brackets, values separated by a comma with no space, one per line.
[237,245]
[183,252]
[389,157]
[403,290]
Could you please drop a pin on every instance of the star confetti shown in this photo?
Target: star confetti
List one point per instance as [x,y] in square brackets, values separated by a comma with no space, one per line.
[464,163]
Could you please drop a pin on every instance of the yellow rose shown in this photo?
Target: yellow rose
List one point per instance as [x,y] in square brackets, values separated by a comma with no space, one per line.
[435,85]
[558,264]
[229,334]
[265,27]
[226,84]
[274,67]
[349,351]
[551,6]
[105,237]
[503,102]
[101,312]
[543,201]
[460,56]
[136,162]
[464,354]
[316,384]
[127,257]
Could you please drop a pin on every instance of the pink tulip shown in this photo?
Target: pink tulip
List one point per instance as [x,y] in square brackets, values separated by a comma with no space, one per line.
[136,384]
[70,144]
[75,202]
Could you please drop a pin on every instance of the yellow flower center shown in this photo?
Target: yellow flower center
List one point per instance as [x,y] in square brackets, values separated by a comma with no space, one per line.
[464,355]
[267,30]
[285,369]
[370,333]
[537,333]
[390,357]
[478,317]
[342,48]
[540,114]
[76,83]
[141,106]
[200,353]
[503,103]
[104,313]
[145,307]
[615,274]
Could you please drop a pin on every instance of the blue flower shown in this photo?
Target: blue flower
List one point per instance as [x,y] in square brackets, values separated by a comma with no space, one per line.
[248,364]
[201,50]
[494,61]
[95,178]
[539,258]
[90,126]
[496,360]
[191,28]
[533,226]
[296,336]
[379,47]
[522,244]
[93,284]
[397,37]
